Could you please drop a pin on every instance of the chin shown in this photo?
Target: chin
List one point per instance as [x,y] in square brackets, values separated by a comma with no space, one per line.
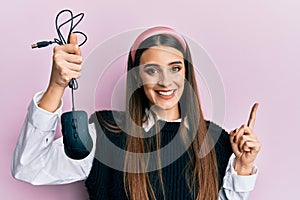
[164,106]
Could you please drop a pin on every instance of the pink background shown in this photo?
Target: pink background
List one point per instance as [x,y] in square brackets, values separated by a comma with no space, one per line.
[254,44]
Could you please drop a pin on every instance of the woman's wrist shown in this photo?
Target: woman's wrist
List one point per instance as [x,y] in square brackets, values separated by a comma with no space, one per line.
[51,99]
[243,169]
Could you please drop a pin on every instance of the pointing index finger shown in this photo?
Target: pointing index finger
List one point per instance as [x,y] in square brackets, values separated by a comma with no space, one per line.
[252,117]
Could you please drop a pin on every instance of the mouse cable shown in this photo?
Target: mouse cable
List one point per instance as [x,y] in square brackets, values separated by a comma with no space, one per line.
[61,41]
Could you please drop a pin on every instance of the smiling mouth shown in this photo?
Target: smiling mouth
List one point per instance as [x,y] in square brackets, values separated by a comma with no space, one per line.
[165,92]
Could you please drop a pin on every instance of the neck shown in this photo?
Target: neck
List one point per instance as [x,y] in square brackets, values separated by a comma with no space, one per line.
[166,114]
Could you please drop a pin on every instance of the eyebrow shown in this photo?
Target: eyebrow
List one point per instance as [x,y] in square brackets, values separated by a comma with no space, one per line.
[157,65]
[175,62]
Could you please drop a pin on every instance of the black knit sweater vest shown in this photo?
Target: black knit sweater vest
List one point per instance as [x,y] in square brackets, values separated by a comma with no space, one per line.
[105,180]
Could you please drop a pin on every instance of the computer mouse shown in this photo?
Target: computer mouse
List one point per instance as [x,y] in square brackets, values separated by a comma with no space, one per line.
[76,138]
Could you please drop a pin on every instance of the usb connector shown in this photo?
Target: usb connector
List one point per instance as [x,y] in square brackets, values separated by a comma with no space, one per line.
[41,44]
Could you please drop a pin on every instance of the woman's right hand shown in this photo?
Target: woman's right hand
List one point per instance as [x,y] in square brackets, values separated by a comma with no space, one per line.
[66,65]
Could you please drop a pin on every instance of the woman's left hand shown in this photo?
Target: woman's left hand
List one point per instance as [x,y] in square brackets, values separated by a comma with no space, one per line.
[245,145]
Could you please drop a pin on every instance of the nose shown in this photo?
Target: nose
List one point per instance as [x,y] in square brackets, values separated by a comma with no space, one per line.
[165,79]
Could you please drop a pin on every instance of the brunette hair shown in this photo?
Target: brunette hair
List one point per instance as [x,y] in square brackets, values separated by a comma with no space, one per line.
[203,182]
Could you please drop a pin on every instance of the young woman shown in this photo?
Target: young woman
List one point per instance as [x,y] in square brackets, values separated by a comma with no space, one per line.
[164,147]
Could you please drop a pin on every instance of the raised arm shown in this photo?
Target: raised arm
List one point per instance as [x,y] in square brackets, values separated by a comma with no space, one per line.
[241,173]
[245,145]
[66,65]
[39,159]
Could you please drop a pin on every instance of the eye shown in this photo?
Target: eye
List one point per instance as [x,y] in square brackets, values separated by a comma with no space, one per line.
[151,71]
[176,69]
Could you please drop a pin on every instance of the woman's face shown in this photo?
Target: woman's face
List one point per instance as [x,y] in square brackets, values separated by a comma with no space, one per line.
[162,72]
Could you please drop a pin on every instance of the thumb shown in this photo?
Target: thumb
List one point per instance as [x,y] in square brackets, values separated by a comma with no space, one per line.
[73,38]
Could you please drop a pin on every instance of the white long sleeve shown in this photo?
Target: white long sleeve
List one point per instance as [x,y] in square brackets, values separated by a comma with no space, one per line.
[40,160]
[236,187]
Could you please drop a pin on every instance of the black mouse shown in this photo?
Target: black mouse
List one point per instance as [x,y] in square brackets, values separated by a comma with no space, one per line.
[77,140]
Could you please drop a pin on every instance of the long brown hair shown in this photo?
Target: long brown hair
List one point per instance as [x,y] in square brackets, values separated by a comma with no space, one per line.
[203,182]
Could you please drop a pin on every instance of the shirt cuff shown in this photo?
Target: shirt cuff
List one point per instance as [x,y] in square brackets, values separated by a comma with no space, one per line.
[238,183]
[40,118]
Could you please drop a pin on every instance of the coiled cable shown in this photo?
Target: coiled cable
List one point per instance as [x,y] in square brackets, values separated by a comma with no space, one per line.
[61,39]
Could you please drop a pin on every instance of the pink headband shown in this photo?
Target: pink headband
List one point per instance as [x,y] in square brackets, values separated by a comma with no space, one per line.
[155,31]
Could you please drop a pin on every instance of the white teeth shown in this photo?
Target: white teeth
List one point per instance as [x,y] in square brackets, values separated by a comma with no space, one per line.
[166,93]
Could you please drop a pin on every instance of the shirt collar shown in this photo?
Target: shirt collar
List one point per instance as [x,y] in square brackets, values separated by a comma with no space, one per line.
[149,123]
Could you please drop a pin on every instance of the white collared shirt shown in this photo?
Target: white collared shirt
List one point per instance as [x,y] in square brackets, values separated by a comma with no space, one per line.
[39,159]
[149,123]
